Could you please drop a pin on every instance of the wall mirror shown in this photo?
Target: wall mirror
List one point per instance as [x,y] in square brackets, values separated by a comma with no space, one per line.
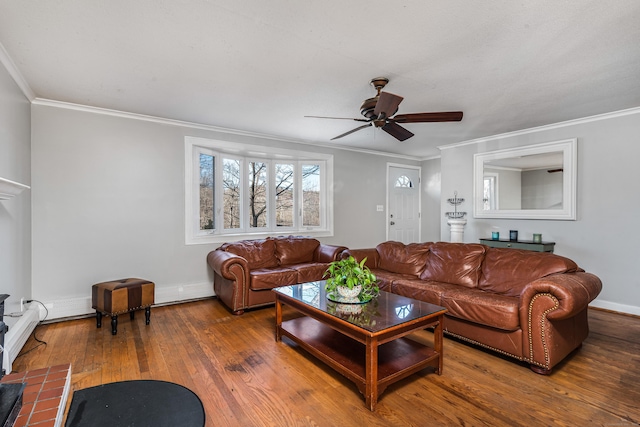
[532,182]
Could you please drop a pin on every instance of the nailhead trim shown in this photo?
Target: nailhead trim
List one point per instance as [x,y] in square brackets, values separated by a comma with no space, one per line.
[542,328]
[127,310]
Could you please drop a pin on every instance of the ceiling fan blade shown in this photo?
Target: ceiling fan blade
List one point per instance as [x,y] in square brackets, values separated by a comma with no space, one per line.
[387,104]
[449,116]
[352,131]
[397,131]
[338,118]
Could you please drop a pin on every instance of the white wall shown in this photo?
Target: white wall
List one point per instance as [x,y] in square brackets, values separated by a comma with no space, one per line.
[15,213]
[603,240]
[431,183]
[108,202]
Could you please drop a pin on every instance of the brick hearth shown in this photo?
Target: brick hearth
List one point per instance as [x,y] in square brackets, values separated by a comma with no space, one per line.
[45,396]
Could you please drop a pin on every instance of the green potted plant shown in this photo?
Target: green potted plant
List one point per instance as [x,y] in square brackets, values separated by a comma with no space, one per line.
[350,281]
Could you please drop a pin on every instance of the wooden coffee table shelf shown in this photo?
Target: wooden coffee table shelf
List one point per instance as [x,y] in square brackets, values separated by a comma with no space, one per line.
[371,357]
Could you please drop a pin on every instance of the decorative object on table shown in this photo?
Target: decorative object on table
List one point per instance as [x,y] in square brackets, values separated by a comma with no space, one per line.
[495,235]
[350,281]
[537,238]
[513,235]
[136,403]
[456,219]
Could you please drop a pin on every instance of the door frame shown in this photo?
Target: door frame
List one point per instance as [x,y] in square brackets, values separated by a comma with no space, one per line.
[419,169]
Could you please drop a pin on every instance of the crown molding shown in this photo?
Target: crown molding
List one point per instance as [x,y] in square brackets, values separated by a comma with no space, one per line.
[200,126]
[598,117]
[15,74]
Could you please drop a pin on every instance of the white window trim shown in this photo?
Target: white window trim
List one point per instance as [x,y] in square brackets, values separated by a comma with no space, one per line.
[193,147]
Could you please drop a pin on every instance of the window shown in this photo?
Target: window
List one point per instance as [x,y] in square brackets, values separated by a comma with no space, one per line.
[235,189]
[206,191]
[311,195]
[230,193]
[284,194]
[403,182]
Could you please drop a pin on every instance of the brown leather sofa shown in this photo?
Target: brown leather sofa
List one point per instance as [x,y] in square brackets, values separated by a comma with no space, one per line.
[531,306]
[246,271]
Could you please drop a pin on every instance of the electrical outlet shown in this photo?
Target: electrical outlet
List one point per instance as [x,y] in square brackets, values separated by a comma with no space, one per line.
[22,304]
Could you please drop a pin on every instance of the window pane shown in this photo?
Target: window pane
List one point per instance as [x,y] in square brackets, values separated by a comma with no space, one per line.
[206,192]
[257,194]
[231,195]
[311,195]
[284,195]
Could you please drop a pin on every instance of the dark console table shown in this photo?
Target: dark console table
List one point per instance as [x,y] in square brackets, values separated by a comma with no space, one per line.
[527,245]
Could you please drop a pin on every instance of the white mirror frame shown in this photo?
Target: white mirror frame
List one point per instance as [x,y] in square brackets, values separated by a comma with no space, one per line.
[569,182]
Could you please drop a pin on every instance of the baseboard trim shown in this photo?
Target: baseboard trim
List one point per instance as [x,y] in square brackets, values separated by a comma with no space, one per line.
[616,307]
[74,307]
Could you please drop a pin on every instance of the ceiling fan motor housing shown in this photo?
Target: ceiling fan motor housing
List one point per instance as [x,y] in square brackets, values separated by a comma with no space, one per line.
[367,107]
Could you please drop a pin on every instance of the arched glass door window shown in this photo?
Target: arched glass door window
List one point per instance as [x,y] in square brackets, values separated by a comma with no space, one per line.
[404,181]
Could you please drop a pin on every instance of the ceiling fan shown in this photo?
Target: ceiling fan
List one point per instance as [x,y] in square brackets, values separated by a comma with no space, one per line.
[380,109]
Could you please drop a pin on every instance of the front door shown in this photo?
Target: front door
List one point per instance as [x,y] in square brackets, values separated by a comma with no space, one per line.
[403,221]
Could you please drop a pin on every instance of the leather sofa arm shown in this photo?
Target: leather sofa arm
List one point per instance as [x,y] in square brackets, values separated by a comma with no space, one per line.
[230,266]
[551,306]
[572,291]
[328,253]
[373,258]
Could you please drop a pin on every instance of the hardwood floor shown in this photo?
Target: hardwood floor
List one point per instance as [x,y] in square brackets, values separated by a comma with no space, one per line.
[245,378]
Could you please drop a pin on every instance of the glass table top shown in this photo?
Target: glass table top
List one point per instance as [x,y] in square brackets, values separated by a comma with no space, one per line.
[384,311]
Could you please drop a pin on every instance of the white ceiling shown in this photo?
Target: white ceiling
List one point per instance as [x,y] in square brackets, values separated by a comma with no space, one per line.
[260,66]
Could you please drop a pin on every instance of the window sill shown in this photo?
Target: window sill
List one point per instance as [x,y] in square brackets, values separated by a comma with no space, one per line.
[223,238]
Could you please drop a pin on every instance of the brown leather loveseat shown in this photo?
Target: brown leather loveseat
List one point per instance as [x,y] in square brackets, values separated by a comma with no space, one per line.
[246,271]
[528,305]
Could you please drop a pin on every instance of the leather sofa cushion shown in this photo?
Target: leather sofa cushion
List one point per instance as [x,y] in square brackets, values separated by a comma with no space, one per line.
[269,278]
[404,259]
[386,279]
[295,250]
[457,263]
[258,253]
[423,290]
[309,271]
[508,271]
[474,305]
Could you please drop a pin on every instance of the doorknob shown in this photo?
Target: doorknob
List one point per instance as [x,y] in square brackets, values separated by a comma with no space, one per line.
[392,223]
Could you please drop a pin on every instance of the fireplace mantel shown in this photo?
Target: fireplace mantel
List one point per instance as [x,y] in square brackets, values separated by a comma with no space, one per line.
[9,189]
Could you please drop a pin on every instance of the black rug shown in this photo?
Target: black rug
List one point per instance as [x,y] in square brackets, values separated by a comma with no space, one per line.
[136,404]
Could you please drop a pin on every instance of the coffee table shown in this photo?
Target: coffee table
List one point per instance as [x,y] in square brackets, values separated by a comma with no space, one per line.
[366,343]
